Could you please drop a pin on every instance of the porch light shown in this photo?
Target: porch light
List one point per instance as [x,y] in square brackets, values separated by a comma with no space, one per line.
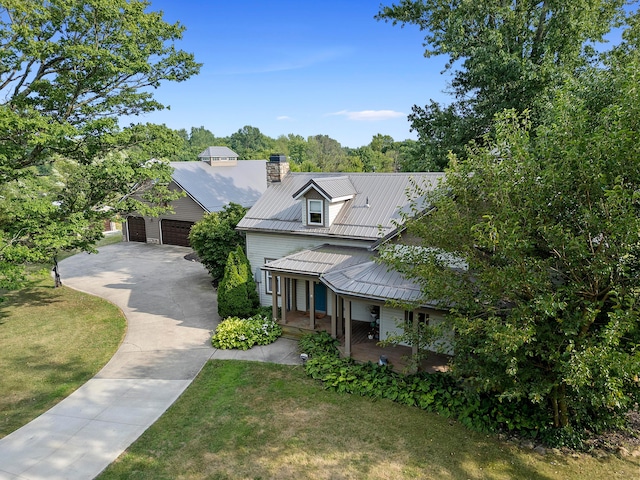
[383,360]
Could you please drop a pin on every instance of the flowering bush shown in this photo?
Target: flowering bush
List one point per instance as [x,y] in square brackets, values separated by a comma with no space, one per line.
[244,333]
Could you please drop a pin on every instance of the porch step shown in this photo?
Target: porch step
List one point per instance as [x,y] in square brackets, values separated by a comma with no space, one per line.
[293,332]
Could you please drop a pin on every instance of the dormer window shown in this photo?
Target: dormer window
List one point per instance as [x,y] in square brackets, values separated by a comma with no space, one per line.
[315,212]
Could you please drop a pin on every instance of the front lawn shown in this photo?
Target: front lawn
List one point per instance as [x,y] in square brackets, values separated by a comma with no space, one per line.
[263,421]
[52,340]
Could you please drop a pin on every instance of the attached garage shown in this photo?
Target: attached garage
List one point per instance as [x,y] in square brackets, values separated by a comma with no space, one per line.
[175,232]
[136,231]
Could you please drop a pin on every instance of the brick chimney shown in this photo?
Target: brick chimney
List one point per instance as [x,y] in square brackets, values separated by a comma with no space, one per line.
[277,168]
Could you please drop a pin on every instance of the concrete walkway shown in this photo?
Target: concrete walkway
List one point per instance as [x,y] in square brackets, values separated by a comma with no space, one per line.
[171,311]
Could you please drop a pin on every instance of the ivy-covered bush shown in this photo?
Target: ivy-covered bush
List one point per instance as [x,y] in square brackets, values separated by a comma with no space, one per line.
[244,333]
[434,392]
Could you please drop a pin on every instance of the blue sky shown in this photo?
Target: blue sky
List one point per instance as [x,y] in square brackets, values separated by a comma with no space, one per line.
[306,67]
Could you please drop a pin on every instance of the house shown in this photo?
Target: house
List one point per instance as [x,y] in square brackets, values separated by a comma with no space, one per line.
[214,181]
[312,239]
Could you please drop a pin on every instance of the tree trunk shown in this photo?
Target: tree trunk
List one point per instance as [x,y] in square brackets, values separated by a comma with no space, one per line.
[559,405]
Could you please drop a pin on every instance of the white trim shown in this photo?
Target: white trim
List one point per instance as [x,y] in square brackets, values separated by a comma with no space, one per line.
[309,212]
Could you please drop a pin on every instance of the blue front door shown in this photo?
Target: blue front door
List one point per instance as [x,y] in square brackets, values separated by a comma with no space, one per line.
[320,293]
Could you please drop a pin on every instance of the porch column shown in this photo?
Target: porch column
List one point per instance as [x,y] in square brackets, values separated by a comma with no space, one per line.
[283,296]
[414,344]
[334,317]
[347,329]
[294,295]
[312,304]
[274,297]
[340,324]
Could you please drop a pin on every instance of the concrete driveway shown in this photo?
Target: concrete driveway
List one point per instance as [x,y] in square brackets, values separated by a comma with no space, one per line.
[171,312]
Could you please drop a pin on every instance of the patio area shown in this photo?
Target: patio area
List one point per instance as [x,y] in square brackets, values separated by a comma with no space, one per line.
[362,348]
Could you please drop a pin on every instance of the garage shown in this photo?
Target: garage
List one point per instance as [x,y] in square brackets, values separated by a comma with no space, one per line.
[175,232]
[136,230]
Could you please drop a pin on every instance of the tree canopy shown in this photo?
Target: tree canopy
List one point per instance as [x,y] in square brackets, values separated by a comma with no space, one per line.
[214,237]
[544,229]
[504,54]
[68,70]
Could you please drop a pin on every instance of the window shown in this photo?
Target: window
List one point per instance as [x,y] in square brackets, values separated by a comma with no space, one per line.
[268,276]
[315,212]
[422,317]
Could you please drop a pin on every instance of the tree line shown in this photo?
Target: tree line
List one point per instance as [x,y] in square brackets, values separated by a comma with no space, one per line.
[315,153]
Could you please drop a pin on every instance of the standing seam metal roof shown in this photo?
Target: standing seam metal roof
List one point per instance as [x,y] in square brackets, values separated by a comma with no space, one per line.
[349,271]
[386,193]
[213,187]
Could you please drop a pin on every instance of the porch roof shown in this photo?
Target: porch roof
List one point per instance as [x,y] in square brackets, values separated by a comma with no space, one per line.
[319,260]
[372,280]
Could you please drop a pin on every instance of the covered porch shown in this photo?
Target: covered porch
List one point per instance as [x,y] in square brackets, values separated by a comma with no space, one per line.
[363,349]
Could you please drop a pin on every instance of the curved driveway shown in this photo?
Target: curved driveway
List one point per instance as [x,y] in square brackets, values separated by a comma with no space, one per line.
[171,311]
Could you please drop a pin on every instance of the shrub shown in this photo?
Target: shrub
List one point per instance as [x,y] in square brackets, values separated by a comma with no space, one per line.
[237,294]
[243,333]
[215,236]
[435,392]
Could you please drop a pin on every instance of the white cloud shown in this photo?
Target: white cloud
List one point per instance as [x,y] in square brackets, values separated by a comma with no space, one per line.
[283,117]
[369,115]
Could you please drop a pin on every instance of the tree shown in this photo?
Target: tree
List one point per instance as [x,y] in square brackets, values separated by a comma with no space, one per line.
[69,70]
[250,143]
[544,231]
[325,152]
[511,55]
[215,236]
[237,294]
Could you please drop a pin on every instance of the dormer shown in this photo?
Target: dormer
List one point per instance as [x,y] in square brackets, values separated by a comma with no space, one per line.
[219,156]
[323,198]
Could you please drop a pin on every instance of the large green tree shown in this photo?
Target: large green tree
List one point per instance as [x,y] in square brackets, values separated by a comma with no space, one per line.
[68,70]
[506,54]
[215,237]
[544,233]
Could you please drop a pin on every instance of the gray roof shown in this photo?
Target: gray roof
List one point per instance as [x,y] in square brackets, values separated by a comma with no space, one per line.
[331,188]
[213,187]
[373,281]
[349,271]
[373,213]
[210,152]
[319,260]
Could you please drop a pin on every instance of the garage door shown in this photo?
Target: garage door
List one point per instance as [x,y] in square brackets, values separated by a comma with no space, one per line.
[136,229]
[175,232]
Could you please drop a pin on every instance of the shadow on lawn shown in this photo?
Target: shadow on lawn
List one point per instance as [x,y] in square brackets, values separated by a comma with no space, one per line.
[55,380]
[38,294]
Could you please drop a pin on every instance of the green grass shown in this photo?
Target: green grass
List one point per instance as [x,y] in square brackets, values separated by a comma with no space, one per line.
[52,340]
[244,420]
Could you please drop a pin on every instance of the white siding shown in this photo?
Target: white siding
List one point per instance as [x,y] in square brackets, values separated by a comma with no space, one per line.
[391,320]
[334,210]
[273,246]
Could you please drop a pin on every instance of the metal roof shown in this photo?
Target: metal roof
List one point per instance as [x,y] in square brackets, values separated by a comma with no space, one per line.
[374,212]
[213,187]
[374,281]
[349,271]
[213,152]
[319,260]
[331,188]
